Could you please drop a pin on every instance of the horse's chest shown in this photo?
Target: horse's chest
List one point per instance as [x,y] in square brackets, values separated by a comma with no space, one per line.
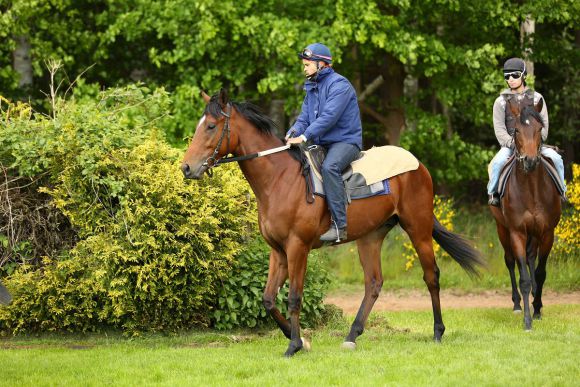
[533,221]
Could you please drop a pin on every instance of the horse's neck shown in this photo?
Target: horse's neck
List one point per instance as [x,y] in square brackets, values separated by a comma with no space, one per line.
[266,174]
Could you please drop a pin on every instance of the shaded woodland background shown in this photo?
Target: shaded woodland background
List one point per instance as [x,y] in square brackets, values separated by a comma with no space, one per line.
[426,72]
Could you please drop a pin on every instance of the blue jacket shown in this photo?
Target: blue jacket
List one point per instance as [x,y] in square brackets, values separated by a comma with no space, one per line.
[330,111]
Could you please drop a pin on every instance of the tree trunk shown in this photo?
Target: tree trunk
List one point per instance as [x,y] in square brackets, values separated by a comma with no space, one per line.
[22,61]
[411,91]
[392,94]
[527,30]
[276,113]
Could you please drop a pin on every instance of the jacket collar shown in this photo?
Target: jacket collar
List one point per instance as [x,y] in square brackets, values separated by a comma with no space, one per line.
[527,90]
[324,73]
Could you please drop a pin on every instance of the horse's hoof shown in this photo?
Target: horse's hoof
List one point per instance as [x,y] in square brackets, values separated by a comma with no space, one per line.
[306,344]
[517,311]
[528,330]
[350,345]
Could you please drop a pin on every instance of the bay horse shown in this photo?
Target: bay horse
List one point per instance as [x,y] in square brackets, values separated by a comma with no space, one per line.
[292,226]
[530,211]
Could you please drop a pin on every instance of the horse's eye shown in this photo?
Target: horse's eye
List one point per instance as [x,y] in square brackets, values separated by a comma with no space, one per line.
[211,126]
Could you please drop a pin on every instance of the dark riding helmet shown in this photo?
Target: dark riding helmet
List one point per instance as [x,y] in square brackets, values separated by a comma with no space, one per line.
[316,52]
[515,64]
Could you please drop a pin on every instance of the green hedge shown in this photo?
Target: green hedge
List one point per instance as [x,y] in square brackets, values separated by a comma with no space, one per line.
[240,295]
[152,247]
[152,251]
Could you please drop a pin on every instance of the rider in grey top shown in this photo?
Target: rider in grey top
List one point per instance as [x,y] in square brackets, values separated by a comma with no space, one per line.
[504,124]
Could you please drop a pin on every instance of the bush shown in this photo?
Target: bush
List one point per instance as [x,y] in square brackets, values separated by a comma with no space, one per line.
[567,244]
[240,295]
[152,248]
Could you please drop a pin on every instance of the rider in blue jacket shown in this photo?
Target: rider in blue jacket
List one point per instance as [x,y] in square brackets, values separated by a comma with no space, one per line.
[330,117]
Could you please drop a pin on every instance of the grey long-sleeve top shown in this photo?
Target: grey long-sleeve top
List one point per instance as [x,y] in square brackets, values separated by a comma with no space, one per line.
[499,126]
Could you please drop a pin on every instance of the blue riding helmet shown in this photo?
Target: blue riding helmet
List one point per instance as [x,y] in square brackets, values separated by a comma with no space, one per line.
[316,52]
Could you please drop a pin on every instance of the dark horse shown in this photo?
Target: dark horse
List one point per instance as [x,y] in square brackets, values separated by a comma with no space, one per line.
[5,296]
[292,227]
[530,211]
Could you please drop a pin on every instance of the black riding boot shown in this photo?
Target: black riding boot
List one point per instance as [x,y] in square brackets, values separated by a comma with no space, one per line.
[493,200]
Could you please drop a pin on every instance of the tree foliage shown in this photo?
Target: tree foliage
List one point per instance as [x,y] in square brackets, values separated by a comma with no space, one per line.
[452,49]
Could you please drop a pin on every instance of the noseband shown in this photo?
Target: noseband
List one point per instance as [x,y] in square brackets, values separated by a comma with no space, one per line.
[211,161]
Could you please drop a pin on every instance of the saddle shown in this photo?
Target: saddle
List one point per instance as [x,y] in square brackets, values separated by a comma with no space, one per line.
[368,175]
[508,168]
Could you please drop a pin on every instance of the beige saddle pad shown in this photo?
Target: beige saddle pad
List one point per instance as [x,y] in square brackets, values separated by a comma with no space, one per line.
[383,162]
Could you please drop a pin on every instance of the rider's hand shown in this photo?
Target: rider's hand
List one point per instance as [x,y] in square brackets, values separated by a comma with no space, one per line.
[295,140]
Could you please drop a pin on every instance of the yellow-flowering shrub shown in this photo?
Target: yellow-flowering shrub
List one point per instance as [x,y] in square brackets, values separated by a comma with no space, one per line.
[151,251]
[152,248]
[444,211]
[567,243]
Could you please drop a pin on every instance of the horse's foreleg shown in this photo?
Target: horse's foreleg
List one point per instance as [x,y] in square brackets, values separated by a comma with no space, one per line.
[540,274]
[297,255]
[532,254]
[277,274]
[504,238]
[510,262]
[369,251]
[518,244]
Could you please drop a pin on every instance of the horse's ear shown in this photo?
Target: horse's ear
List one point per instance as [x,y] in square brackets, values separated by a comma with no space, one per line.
[223,98]
[540,105]
[205,97]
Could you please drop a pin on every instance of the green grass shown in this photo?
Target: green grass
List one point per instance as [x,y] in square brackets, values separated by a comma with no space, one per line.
[485,347]
[477,225]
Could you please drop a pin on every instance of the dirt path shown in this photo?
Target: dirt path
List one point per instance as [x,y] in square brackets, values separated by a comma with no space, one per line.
[451,299]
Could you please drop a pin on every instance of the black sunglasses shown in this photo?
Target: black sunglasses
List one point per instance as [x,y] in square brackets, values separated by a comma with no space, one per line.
[513,74]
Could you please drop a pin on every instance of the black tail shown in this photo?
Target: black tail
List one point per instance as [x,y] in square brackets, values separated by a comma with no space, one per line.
[459,249]
[5,296]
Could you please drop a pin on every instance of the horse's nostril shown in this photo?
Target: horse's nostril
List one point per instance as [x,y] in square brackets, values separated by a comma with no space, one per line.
[185,169]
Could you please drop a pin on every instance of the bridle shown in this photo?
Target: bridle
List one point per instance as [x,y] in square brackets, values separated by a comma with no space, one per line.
[519,157]
[211,161]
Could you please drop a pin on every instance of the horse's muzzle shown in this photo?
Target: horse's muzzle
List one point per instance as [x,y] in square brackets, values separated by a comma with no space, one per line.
[190,173]
[530,163]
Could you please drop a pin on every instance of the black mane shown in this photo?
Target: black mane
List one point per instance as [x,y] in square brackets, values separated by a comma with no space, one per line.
[248,110]
[254,115]
[530,111]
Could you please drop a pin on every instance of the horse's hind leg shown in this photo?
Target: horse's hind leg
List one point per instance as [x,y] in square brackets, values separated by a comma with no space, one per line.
[277,274]
[420,233]
[540,274]
[369,251]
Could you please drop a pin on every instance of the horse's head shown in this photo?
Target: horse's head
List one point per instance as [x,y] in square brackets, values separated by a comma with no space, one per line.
[212,138]
[528,134]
